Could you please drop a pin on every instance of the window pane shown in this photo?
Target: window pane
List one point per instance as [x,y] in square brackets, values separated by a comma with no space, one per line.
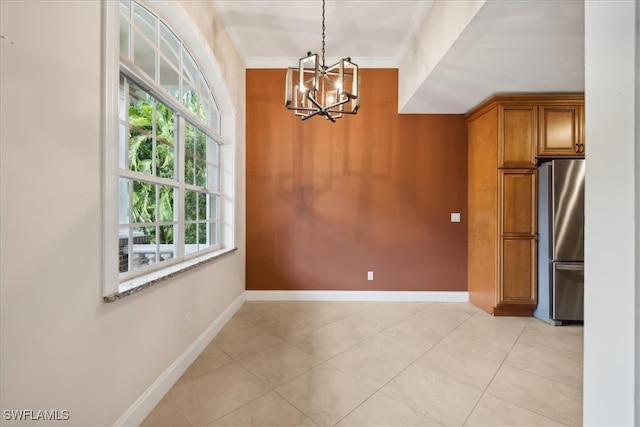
[201,173]
[201,145]
[214,170]
[189,146]
[144,54]
[214,117]
[213,102]
[143,252]
[124,198]
[167,242]
[189,67]
[189,97]
[190,238]
[146,22]
[203,235]
[125,8]
[165,149]
[189,170]
[122,146]
[215,206]
[190,203]
[125,33]
[140,107]
[122,99]
[205,111]
[166,236]
[144,202]
[140,152]
[202,206]
[215,233]
[190,135]
[165,118]
[165,155]
[166,203]
[123,250]
[203,90]
[170,45]
[123,105]
[203,87]
[169,79]
[201,157]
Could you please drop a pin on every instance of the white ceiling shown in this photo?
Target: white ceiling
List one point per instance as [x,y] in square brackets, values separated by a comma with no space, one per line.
[508,46]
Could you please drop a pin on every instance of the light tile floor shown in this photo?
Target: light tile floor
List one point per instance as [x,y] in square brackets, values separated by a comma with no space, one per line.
[289,363]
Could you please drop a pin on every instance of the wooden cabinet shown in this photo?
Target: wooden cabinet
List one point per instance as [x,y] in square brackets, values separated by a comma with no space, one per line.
[516,284]
[507,137]
[561,130]
[517,136]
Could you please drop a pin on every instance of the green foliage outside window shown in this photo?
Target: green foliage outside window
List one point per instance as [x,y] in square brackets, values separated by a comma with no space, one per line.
[156,157]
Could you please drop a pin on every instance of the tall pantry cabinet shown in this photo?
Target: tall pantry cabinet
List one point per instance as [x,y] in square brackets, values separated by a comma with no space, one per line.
[508,135]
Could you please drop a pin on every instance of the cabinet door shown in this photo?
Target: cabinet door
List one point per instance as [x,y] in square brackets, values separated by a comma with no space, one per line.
[516,293]
[560,131]
[517,134]
[517,202]
[517,284]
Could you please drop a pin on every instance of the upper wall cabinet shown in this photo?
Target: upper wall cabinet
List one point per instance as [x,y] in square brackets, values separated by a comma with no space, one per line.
[538,126]
[517,135]
[561,130]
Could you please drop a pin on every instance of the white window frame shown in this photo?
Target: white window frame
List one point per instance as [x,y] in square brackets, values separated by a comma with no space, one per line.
[117,285]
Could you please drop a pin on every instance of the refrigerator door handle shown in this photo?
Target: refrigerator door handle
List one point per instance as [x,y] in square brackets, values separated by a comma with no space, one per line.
[570,267]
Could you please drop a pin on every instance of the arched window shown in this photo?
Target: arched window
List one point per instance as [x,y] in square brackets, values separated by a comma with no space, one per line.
[164,159]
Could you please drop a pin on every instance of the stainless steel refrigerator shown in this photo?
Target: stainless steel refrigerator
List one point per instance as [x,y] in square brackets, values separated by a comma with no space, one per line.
[561,241]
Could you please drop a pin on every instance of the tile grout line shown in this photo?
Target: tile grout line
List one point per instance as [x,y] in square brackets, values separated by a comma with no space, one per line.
[411,362]
[351,377]
[484,391]
[376,390]
[379,390]
[545,415]
[502,364]
[285,341]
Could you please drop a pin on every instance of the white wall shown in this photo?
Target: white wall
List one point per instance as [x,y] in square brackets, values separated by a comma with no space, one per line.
[61,346]
[612,213]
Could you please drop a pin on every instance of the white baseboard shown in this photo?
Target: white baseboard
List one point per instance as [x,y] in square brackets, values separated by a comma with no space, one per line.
[143,406]
[431,296]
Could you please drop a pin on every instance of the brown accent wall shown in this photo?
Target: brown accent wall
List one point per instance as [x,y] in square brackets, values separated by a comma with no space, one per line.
[327,202]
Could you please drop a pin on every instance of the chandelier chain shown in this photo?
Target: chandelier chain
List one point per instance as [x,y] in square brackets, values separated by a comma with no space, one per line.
[323,29]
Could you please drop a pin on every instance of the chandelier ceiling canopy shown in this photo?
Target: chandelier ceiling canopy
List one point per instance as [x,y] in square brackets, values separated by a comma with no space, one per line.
[314,89]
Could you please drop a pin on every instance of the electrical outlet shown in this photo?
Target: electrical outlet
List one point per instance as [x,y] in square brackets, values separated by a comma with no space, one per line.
[187,322]
[369,275]
[455,217]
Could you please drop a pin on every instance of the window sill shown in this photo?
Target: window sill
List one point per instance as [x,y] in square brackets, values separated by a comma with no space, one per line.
[133,286]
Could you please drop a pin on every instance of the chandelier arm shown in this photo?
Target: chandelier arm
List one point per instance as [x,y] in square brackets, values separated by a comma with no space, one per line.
[316,103]
[308,116]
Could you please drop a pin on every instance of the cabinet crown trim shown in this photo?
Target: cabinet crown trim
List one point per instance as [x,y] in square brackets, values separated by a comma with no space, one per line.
[524,99]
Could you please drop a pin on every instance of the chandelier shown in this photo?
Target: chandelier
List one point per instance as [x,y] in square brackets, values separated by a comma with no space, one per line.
[313,89]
